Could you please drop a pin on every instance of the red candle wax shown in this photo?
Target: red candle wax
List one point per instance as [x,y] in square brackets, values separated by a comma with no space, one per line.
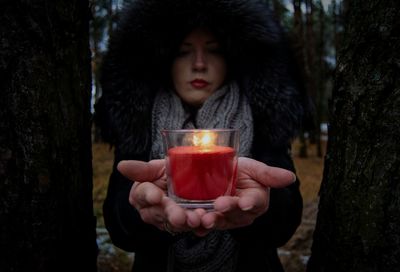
[202,173]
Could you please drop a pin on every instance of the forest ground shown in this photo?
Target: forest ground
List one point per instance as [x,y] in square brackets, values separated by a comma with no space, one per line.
[294,254]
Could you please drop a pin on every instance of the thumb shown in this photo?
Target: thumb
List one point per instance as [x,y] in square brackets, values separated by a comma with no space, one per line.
[142,171]
[269,176]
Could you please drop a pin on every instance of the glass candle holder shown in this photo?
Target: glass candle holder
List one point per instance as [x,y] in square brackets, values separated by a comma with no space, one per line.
[201,165]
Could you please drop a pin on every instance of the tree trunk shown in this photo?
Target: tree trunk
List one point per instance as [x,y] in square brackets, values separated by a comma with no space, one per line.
[358,220]
[321,78]
[299,50]
[278,9]
[97,26]
[313,71]
[46,210]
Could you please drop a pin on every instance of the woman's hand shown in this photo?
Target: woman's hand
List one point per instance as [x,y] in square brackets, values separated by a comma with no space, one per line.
[252,195]
[148,196]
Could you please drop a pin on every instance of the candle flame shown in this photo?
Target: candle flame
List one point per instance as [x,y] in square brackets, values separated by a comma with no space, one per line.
[204,139]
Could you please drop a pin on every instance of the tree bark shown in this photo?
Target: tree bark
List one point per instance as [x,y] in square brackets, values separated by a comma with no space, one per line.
[358,220]
[313,72]
[278,9]
[321,78]
[46,210]
[299,50]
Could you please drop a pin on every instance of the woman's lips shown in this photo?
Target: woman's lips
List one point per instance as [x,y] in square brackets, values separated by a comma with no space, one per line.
[199,83]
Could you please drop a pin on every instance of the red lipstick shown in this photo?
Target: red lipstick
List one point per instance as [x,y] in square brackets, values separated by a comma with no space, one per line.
[199,83]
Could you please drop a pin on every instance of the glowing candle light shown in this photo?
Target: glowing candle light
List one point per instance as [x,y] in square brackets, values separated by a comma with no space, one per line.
[203,170]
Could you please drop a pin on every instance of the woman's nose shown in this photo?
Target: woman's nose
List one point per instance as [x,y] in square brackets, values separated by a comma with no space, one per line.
[200,61]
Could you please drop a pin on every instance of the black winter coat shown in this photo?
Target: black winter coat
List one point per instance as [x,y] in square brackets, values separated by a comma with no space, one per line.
[135,67]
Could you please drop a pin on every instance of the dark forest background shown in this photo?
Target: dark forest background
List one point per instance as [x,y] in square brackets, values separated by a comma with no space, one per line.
[50,55]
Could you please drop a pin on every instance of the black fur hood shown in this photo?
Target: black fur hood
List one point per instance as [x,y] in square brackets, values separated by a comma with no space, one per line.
[141,48]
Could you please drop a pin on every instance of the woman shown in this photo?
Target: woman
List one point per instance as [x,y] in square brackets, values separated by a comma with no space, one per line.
[204,64]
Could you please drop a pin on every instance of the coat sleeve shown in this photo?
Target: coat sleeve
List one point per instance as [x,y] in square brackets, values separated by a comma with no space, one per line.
[277,225]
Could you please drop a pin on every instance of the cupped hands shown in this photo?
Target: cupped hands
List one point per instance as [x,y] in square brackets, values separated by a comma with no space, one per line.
[149,196]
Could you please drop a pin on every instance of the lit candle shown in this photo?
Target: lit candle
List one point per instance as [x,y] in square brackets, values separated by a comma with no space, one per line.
[203,171]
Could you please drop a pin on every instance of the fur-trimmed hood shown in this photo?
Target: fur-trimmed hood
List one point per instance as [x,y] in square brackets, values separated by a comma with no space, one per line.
[140,51]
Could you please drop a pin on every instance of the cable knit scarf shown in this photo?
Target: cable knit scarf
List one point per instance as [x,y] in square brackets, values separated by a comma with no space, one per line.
[216,252]
[225,108]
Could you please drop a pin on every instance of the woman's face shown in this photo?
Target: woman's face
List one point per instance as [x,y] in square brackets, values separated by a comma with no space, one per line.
[199,68]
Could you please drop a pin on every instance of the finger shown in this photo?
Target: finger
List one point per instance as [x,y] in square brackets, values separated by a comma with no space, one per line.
[254,200]
[267,175]
[193,219]
[200,212]
[153,215]
[175,214]
[209,220]
[194,216]
[145,194]
[142,171]
[225,203]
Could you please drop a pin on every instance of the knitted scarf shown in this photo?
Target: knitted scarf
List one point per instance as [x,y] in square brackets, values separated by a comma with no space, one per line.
[216,252]
[225,108]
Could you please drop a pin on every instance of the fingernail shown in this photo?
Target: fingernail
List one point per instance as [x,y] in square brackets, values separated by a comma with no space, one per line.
[224,209]
[210,226]
[294,178]
[247,208]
